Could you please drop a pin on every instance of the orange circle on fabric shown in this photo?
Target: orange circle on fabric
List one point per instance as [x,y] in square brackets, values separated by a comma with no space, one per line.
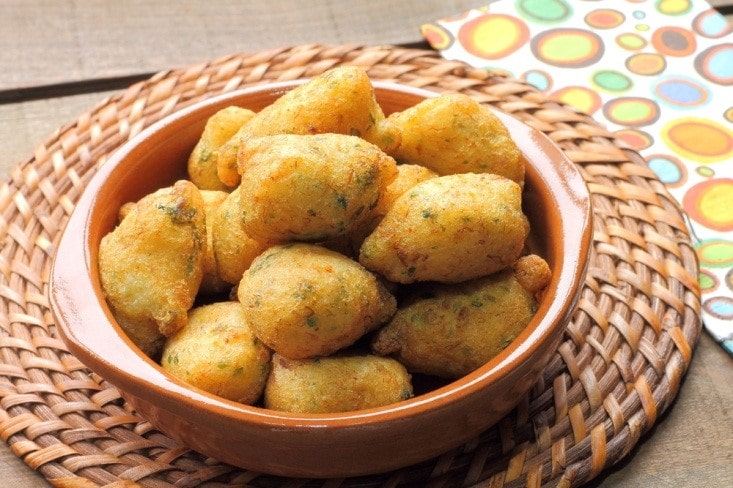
[674,41]
[647,64]
[604,18]
[637,139]
[493,36]
[699,139]
[437,36]
[711,204]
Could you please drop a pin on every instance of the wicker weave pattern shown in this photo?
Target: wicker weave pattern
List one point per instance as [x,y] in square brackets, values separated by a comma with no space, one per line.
[618,368]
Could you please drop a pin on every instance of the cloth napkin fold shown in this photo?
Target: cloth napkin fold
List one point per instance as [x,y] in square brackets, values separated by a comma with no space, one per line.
[658,73]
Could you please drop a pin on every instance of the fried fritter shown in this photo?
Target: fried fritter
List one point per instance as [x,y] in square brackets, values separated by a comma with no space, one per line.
[453,133]
[450,330]
[533,273]
[335,384]
[233,248]
[339,101]
[218,130]
[304,300]
[211,283]
[217,352]
[408,175]
[449,229]
[310,188]
[152,263]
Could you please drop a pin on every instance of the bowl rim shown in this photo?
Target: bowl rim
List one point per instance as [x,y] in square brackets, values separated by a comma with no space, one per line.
[74,318]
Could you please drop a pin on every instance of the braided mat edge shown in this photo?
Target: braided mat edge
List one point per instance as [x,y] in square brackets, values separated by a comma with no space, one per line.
[619,365]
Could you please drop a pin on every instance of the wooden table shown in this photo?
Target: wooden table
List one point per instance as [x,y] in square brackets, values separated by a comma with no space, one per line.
[59,58]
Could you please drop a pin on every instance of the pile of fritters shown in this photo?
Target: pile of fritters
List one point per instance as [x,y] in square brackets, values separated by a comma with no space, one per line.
[321,253]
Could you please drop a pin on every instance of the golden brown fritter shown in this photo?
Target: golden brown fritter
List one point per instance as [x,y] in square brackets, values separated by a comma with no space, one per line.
[217,352]
[304,300]
[453,133]
[449,229]
[339,101]
[211,283]
[218,130]
[233,248]
[151,265]
[335,384]
[408,175]
[310,188]
[532,272]
[450,330]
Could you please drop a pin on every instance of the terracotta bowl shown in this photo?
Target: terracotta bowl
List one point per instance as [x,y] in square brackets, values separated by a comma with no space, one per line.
[323,445]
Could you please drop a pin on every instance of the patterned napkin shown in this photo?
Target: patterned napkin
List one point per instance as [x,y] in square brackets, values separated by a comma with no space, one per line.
[658,73]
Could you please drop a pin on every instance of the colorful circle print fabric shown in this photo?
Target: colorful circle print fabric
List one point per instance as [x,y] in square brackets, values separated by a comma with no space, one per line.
[657,73]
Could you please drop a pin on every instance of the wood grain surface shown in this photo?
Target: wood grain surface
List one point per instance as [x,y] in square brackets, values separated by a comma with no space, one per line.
[58,59]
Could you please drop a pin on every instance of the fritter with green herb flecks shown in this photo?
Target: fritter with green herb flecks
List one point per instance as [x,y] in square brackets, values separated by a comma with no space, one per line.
[233,248]
[304,300]
[454,133]
[335,384]
[449,229]
[152,263]
[311,188]
[211,283]
[219,128]
[339,101]
[450,330]
[217,352]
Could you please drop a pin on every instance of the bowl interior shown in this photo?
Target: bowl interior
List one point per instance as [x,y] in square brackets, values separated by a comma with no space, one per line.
[555,199]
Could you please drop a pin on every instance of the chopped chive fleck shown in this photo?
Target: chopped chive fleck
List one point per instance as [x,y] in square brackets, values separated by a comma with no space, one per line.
[205,155]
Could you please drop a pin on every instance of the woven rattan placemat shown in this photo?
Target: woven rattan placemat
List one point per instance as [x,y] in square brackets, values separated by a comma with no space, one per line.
[617,369]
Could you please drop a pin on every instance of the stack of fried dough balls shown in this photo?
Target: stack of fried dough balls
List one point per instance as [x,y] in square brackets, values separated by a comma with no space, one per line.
[322,254]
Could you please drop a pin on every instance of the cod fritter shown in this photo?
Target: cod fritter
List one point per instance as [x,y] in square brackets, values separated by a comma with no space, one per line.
[450,330]
[339,101]
[220,127]
[303,300]
[449,229]
[152,263]
[217,352]
[335,384]
[310,188]
[452,134]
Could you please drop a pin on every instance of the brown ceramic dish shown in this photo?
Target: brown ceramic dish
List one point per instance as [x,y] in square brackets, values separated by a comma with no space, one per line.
[325,445]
